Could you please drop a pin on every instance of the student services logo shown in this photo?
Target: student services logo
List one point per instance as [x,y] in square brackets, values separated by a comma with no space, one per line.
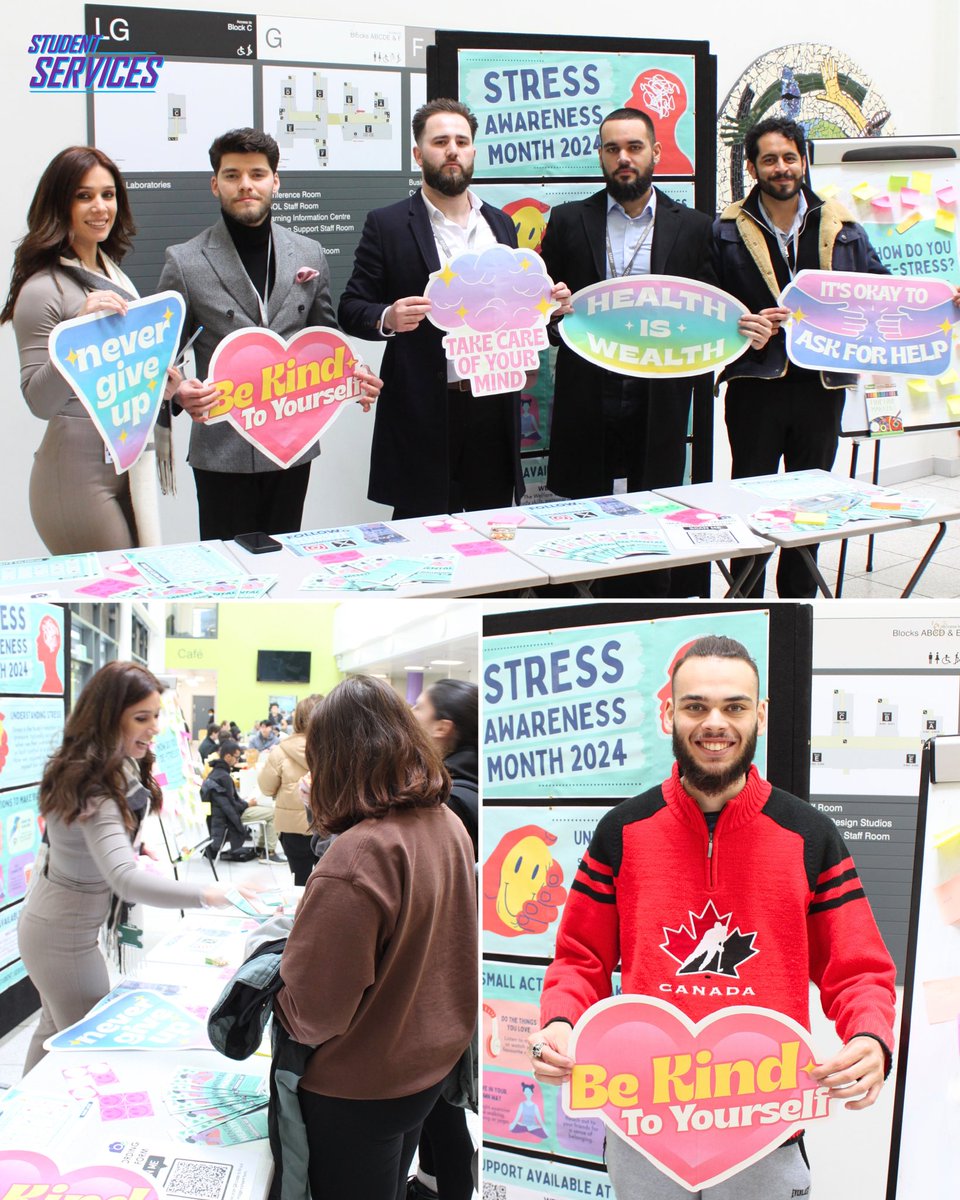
[67,62]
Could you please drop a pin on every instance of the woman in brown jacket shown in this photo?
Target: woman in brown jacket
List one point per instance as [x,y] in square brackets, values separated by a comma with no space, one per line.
[280,774]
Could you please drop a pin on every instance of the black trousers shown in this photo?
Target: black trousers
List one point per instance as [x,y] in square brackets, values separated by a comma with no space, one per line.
[644,442]
[480,451]
[362,1148]
[795,419]
[300,856]
[446,1150]
[261,502]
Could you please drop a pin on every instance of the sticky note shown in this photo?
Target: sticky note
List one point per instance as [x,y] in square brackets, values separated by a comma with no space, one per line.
[864,191]
[948,900]
[909,198]
[908,222]
[919,387]
[809,518]
[922,181]
[942,997]
[948,377]
[947,195]
[896,182]
[944,221]
[953,405]
[827,191]
[882,203]
[943,836]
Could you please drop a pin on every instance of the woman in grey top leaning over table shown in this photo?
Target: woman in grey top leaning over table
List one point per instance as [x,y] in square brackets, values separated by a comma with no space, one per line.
[95,792]
[79,227]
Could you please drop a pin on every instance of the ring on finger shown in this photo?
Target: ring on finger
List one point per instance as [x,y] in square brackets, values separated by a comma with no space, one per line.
[536,1050]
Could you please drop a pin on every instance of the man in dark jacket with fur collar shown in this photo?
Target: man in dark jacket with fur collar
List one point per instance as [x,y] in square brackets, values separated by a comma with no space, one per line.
[774,409]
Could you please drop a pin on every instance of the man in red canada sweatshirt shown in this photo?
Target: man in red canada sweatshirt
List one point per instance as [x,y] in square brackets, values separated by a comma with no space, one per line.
[717,889]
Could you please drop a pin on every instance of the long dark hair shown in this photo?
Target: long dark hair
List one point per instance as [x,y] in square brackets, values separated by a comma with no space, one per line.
[367,754]
[90,759]
[48,219]
[456,701]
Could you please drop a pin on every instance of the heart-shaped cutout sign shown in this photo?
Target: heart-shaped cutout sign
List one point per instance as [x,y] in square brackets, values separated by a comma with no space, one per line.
[24,1173]
[701,1100]
[283,395]
[117,367]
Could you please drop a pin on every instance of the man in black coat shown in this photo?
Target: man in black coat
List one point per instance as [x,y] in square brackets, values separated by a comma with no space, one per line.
[229,813]
[606,426]
[436,447]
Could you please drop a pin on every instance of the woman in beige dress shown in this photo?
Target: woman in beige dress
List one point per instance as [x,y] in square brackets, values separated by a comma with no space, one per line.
[79,228]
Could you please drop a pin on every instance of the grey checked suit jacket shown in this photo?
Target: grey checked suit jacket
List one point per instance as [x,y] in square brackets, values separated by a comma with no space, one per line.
[208,274]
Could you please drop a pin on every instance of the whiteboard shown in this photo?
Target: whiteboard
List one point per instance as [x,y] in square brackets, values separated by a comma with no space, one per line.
[906,194]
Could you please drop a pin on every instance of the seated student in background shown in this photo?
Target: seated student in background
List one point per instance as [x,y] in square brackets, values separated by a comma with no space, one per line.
[230,815]
[211,743]
[264,737]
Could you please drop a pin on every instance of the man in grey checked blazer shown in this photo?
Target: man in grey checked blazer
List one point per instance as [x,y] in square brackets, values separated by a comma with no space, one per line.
[242,271]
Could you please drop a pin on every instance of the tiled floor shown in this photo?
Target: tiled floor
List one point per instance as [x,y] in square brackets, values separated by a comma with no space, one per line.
[895,556]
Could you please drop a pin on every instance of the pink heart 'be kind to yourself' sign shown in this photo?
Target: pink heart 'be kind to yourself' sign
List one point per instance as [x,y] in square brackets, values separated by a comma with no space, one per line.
[283,395]
[25,1174]
[701,1100]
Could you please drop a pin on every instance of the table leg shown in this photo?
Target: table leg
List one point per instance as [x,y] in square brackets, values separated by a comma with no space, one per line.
[815,571]
[922,565]
[748,576]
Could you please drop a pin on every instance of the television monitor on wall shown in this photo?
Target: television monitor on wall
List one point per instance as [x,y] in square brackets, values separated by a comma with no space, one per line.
[283,666]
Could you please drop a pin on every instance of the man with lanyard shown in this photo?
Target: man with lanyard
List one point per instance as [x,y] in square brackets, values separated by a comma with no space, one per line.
[244,271]
[774,409]
[436,447]
[610,432]
[764,878]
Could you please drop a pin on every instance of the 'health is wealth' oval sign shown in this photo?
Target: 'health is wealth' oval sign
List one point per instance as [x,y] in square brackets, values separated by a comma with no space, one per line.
[657,326]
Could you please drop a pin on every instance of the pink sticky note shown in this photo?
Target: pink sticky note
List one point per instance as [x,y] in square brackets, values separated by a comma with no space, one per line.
[473,549]
[942,998]
[108,587]
[882,203]
[338,556]
[909,197]
[948,898]
[947,195]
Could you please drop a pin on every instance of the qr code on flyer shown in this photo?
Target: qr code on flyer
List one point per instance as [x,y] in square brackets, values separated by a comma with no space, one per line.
[196,1180]
[494,1191]
[711,535]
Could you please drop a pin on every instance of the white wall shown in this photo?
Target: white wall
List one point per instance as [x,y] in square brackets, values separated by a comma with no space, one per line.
[910,58]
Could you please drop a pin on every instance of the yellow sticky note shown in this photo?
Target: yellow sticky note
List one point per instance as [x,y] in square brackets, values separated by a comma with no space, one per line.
[896,182]
[953,405]
[919,387]
[922,181]
[943,836]
[827,191]
[944,221]
[864,191]
[809,518]
[948,377]
[908,222]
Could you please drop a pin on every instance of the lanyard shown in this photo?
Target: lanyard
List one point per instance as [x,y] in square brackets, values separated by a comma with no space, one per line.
[611,263]
[264,300]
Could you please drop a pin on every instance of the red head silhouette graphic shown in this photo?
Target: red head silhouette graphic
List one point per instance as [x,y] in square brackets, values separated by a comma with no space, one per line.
[664,97]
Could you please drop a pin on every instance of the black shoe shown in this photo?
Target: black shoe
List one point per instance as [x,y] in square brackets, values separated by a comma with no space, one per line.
[418,1190]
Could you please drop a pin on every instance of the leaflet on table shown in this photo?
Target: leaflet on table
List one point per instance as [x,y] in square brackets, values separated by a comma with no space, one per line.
[183,564]
[802,485]
[244,587]
[264,904]
[373,573]
[47,570]
[833,512]
[602,546]
[565,513]
[309,542]
[704,530]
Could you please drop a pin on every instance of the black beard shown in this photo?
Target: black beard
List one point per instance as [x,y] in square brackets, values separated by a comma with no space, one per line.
[623,192]
[712,783]
[770,189]
[446,183]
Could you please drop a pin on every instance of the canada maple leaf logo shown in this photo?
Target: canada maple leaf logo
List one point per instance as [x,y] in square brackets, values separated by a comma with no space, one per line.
[710,946]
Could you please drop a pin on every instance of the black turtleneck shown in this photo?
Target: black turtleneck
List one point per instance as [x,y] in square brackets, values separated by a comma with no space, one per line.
[252,243]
